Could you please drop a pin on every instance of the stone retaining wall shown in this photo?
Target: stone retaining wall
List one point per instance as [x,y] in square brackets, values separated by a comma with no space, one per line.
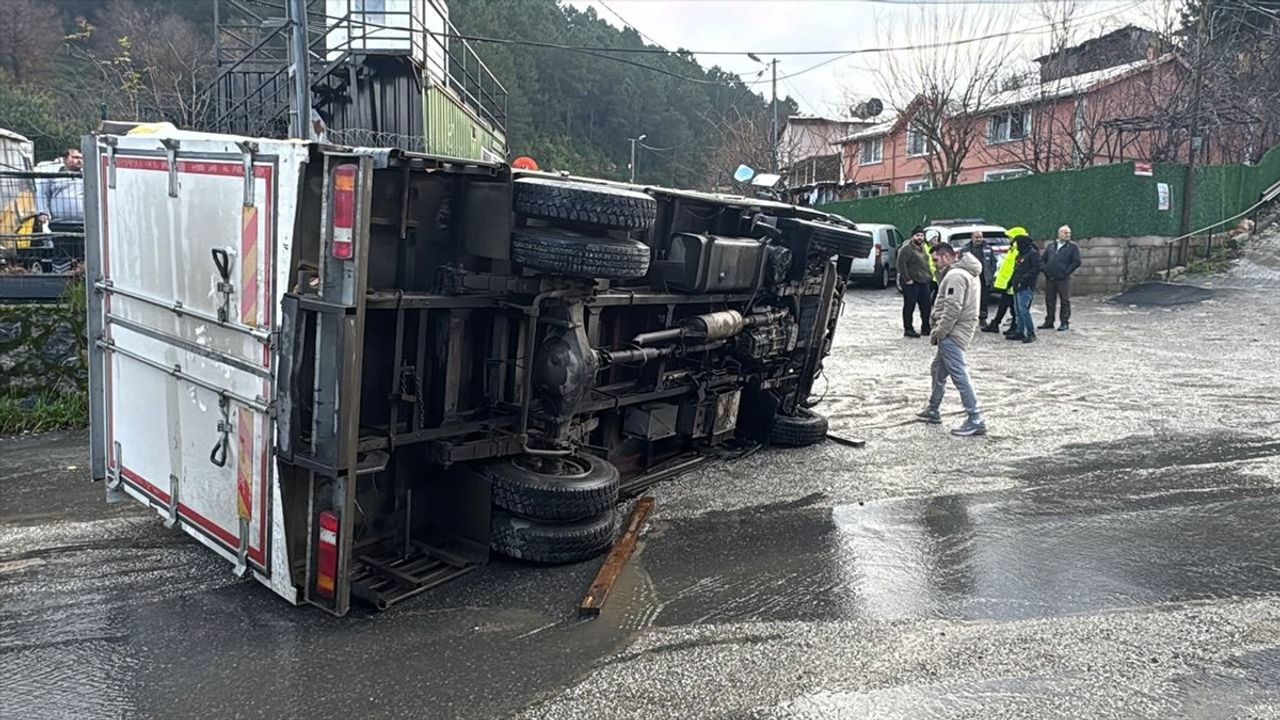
[42,350]
[1112,265]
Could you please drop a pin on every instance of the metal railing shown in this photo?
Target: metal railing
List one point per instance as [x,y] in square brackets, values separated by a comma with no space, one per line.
[252,81]
[442,57]
[41,222]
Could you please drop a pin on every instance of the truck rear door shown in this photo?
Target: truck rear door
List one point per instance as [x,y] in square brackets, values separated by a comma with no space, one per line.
[183,265]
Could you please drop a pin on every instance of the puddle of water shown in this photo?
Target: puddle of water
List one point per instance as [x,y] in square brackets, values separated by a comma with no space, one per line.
[1046,551]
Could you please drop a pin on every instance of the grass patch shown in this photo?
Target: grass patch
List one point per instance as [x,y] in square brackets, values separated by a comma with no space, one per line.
[1224,252]
[52,411]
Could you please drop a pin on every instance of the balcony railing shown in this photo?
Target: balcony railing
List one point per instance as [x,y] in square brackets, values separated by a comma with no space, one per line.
[444,59]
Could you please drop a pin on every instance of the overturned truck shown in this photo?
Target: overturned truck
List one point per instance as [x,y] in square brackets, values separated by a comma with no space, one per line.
[356,373]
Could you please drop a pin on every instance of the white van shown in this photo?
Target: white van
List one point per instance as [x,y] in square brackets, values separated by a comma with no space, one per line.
[880,269]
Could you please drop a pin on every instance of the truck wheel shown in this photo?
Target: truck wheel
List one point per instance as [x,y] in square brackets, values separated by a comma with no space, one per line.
[587,486]
[600,205]
[550,543]
[884,277]
[563,252]
[806,427]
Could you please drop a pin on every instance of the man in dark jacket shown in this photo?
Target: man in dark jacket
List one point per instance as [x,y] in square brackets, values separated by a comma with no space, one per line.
[1025,277]
[1061,260]
[979,248]
[914,276]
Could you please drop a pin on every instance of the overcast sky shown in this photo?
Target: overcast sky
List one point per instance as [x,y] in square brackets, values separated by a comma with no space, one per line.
[762,26]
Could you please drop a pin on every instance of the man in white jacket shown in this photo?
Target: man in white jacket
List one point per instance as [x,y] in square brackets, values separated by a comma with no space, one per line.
[954,321]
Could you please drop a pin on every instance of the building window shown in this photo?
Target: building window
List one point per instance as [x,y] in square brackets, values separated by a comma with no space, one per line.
[1008,126]
[872,151]
[915,142]
[372,11]
[917,185]
[1005,174]
[870,191]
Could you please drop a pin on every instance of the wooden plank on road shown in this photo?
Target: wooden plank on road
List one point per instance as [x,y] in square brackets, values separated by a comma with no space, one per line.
[616,560]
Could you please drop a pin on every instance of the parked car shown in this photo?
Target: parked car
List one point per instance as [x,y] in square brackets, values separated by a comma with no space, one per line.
[959,232]
[880,268]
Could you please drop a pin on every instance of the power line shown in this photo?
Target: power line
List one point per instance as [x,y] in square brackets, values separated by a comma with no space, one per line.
[781,53]
[631,25]
[603,52]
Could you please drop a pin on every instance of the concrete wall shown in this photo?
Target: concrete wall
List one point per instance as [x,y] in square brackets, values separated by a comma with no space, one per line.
[42,351]
[1111,265]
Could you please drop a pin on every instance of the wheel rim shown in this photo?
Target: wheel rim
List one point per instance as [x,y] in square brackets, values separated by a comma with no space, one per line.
[571,466]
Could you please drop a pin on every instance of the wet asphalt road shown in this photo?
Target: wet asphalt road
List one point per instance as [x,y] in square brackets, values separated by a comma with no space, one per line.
[1111,549]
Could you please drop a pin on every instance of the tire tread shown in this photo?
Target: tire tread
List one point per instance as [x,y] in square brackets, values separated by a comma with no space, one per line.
[599,205]
[549,543]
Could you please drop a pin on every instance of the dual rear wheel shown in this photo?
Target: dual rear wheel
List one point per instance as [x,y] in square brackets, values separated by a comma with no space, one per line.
[553,509]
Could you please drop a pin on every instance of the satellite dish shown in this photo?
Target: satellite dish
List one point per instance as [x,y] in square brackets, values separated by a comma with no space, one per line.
[867,109]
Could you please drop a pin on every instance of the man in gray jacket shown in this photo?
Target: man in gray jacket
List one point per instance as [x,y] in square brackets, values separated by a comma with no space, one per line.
[955,320]
[1061,260]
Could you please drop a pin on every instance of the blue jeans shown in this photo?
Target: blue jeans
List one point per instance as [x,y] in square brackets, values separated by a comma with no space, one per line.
[949,362]
[1022,301]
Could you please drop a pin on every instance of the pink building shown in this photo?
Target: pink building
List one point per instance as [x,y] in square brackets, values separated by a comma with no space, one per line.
[1096,114]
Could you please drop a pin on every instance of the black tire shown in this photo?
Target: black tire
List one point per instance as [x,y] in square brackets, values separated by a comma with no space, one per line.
[563,252]
[806,427]
[569,201]
[587,488]
[551,543]
[842,241]
[882,274]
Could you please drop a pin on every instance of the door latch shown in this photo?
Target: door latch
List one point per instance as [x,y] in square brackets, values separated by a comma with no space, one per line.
[222,261]
[218,455]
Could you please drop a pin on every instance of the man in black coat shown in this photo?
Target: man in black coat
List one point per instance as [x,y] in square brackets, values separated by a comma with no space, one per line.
[979,248]
[1061,260]
[1026,275]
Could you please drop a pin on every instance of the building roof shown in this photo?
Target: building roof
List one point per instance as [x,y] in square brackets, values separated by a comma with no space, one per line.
[1031,94]
[1072,84]
[1094,41]
[820,118]
[871,131]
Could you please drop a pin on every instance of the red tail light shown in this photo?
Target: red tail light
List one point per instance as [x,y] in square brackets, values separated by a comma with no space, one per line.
[344,211]
[327,556]
[879,251]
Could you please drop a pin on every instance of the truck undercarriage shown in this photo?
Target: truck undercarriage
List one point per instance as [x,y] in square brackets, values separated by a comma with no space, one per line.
[470,362]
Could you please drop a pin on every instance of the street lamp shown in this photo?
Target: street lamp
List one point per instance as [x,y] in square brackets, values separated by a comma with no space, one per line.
[633,141]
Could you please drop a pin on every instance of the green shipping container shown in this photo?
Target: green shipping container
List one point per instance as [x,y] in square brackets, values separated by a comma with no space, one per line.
[453,130]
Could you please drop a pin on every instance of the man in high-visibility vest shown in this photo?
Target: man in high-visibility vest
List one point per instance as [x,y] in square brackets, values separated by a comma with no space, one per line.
[931,243]
[1003,275]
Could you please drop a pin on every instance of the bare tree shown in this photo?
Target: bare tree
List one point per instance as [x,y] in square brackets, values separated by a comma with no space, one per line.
[148,65]
[1060,17]
[744,139]
[942,93]
[30,39]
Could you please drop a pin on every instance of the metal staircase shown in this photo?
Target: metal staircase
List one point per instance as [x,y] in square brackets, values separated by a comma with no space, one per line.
[380,75]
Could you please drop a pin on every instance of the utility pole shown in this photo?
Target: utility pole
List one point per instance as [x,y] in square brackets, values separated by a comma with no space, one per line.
[633,141]
[774,143]
[299,71]
[1194,139]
